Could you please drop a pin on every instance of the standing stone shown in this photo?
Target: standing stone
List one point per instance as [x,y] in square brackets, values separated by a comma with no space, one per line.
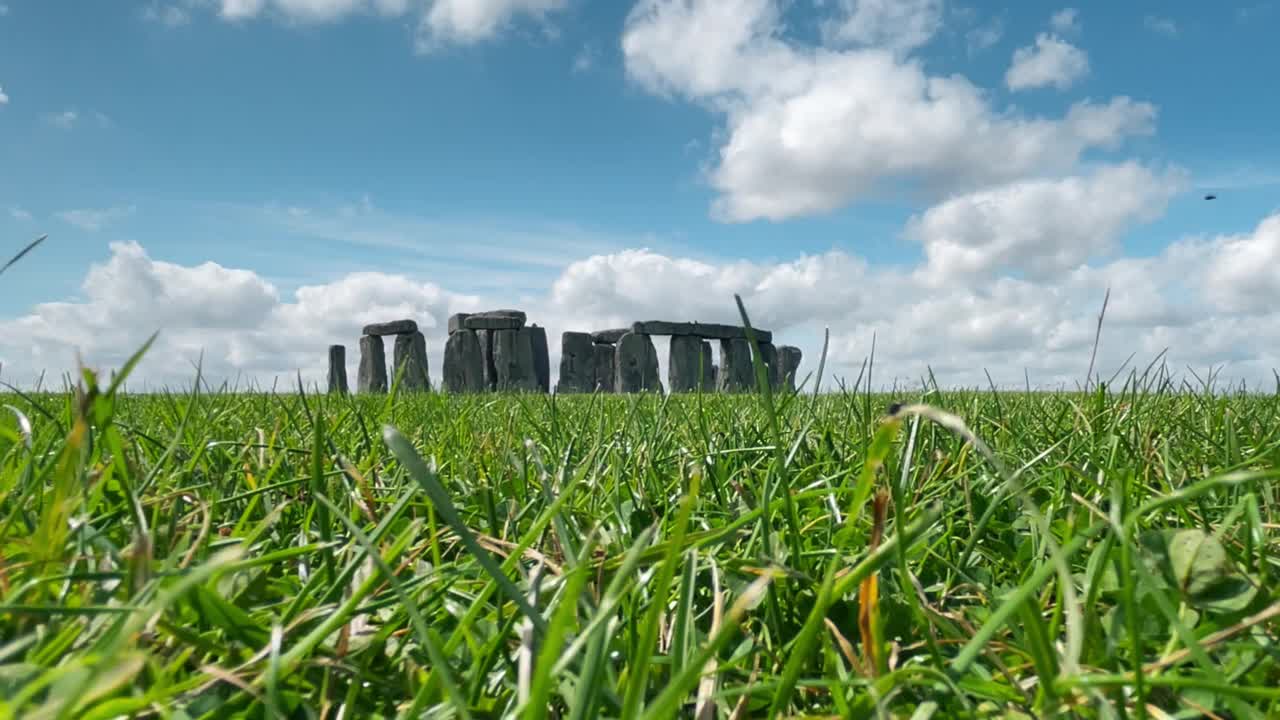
[463,363]
[395,327]
[488,373]
[708,368]
[769,354]
[338,369]
[637,364]
[457,322]
[541,358]
[735,366]
[513,360]
[410,358]
[577,363]
[715,377]
[788,365]
[605,374]
[372,376]
[684,360]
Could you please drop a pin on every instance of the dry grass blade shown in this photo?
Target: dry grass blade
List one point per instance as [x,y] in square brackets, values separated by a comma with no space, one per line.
[22,253]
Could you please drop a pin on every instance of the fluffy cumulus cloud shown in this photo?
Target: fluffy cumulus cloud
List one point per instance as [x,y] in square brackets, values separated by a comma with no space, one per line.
[1051,62]
[810,130]
[1039,227]
[1202,300]
[898,24]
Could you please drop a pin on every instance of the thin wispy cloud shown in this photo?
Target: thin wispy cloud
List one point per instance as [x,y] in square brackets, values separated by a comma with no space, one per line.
[4,99]
[94,220]
[65,120]
[985,36]
[585,59]
[19,214]
[1160,25]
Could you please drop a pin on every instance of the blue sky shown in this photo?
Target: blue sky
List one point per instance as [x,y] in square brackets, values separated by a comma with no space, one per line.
[526,151]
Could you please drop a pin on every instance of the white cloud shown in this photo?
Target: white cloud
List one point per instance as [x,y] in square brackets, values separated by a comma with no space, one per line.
[900,25]
[1066,21]
[18,213]
[810,130]
[985,36]
[66,119]
[4,99]
[1040,227]
[1052,61]
[1160,25]
[175,15]
[1242,272]
[471,21]
[585,59]
[94,220]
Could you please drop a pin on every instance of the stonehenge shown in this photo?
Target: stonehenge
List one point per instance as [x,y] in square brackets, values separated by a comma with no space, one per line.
[495,351]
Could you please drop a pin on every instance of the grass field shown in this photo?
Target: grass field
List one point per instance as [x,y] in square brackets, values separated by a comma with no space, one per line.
[201,555]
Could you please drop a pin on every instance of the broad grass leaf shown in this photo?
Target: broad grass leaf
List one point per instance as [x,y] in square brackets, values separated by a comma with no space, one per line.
[1197,565]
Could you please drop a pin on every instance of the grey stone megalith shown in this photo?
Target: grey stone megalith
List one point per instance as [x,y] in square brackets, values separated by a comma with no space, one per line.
[463,363]
[577,363]
[605,370]
[372,375]
[338,369]
[769,354]
[541,357]
[488,373]
[684,364]
[410,362]
[513,360]
[708,367]
[637,364]
[735,366]
[789,358]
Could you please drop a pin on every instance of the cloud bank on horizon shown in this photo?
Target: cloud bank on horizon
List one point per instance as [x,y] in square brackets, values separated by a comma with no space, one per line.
[1019,217]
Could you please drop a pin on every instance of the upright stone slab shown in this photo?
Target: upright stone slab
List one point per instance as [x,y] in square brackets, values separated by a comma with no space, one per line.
[684,361]
[636,362]
[513,360]
[463,363]
[338,369]
[770,355]
[372,376]
[735,366]
[708,368]
[578,363]
[457,321]
[788,366]
[605,371]
[411,355]
[395,327]
[541,358]
[488,373]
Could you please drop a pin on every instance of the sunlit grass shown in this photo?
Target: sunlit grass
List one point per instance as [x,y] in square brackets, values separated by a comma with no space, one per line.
[1102,554]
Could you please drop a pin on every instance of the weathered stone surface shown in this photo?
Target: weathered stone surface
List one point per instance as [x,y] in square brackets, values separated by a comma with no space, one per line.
[708,368]
[495,320]
[372,376]
[338,369]
[513,360]
[605,371]
[636,363]
[463,363]
[686,367]
[410,362]
[488,373]
[735,366]
[770,355]
[456,322]
[541,357]
[788,366]
[395,327]
[711,331]
[609,337]
[715,377]
[577,363]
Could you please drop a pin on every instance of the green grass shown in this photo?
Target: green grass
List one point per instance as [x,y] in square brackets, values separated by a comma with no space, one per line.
[197,555]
